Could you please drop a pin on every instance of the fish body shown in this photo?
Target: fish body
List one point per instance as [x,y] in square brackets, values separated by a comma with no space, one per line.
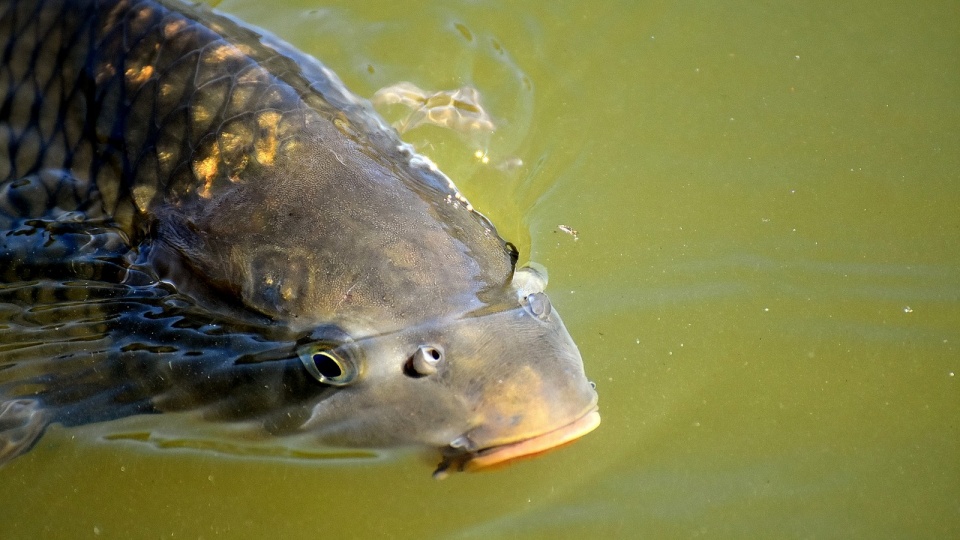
[218,225]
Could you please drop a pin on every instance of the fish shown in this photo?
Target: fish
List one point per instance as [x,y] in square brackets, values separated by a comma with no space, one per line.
[197,218]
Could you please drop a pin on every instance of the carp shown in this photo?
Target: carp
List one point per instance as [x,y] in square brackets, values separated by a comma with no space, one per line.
[196,217]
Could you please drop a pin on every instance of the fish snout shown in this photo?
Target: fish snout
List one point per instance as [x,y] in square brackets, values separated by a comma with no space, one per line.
[534,412]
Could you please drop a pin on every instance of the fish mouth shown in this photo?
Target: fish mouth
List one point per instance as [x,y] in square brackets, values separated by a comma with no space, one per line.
[524,448]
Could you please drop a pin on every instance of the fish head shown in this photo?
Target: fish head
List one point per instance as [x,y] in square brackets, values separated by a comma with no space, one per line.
[485,387]
[415,322]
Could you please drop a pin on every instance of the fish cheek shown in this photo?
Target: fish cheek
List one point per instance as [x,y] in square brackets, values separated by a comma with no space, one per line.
[373,415]
[274,283]
[406,399]
[184,256]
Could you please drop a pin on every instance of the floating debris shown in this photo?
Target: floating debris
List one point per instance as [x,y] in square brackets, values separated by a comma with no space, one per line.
[459,109]
[570,230]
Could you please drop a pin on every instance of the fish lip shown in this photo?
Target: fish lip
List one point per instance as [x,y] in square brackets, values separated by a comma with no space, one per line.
[461,460]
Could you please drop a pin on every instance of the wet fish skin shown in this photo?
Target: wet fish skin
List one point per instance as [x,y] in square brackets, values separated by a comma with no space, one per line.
[238,168]
[166,112]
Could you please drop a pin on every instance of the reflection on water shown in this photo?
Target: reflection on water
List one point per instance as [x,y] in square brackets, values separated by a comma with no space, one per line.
[95,336]
[765,285]
[82,312]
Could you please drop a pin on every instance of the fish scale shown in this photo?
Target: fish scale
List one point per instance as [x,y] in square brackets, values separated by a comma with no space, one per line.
[165,97]
[196,217]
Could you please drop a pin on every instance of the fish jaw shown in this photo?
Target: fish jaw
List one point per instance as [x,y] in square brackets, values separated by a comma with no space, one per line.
[507,453]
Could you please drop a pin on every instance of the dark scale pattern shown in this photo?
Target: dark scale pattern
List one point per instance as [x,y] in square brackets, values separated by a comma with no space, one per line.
[147,103]
[105,112]
[188,347]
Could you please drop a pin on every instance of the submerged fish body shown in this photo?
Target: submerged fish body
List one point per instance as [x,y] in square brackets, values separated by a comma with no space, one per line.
[195,216]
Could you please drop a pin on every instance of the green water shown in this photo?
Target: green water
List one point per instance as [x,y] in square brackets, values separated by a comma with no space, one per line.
[765,284]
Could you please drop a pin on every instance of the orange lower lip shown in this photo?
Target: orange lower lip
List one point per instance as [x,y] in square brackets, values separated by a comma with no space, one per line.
[536,445]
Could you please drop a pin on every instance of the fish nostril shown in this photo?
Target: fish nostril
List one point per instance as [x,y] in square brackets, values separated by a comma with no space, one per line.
[423,362]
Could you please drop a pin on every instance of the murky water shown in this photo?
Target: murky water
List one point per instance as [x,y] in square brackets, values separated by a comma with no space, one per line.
[765,281]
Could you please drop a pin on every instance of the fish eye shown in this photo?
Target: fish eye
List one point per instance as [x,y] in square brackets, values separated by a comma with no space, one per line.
[538,305]
[328,366]
[423,362]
